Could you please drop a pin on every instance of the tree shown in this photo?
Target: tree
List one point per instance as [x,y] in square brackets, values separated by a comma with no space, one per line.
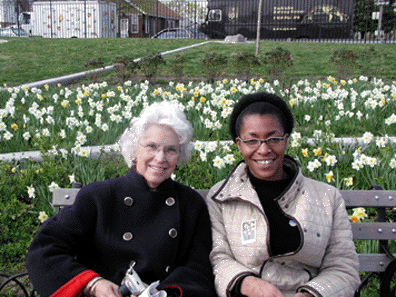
[190,10]
[363,21]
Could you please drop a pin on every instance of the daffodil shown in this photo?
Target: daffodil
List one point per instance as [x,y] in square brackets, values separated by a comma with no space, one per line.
[330,160]
[72,178]
[329,176]
[53,186]
[392,163]
[31,191]
[42,216]
[229,159]
[218,162]
[354,218]
[348,181]
[360,212]
[65,103]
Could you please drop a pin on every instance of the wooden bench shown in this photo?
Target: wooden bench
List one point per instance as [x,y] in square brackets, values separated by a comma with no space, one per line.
[373,264]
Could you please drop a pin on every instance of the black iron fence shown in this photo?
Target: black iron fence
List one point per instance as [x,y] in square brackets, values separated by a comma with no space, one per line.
[315,20]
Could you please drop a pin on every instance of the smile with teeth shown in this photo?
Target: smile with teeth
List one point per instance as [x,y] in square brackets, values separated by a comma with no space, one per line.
[264,162]
[161,169]
[157,168]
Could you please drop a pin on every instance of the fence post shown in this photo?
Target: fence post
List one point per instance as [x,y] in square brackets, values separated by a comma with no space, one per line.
[85,18]
[50,2]
[259,13]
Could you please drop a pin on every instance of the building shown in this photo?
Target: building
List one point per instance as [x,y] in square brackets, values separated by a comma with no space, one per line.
[144,18]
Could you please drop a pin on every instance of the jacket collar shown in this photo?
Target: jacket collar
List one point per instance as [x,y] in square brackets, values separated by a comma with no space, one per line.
[138,181]
[237,185]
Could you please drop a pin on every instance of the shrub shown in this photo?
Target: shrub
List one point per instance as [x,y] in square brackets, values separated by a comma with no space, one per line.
[366,59]
[150,63]
[244,62]
[176,64]
[345,61]
[277,60]
[213,64]
[125,68]
[91,65]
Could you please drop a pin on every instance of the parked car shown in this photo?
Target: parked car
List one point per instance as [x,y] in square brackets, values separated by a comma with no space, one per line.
[12,32]
[180,33]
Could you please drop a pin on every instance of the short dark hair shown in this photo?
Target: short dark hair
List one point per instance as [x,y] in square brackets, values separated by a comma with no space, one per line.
[260,103]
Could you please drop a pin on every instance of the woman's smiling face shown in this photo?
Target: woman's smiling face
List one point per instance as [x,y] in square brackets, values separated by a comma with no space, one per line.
[264,162]
[157,165]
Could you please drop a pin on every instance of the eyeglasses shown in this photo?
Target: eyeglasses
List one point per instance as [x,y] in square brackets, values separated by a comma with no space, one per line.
[153,149]
[255,143]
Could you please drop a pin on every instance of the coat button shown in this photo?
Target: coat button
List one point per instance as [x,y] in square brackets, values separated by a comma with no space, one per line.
[170,201]
[173,233]
[127,236]
[128,201]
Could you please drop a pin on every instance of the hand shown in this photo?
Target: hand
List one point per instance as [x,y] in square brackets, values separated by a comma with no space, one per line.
[105,288]
[256,287]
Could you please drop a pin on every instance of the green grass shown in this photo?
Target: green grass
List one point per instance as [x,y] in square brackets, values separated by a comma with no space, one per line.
[24,60]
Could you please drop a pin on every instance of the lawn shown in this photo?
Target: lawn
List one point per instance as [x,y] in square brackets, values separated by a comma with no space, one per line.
[24,60]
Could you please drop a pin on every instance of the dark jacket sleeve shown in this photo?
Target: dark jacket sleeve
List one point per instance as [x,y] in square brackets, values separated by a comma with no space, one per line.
[193,274]
[51,261]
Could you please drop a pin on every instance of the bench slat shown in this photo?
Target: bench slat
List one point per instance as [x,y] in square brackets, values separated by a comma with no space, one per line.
[353,198]
[64,197]
[369,198]
[375,231]
[359,198]
[373,262]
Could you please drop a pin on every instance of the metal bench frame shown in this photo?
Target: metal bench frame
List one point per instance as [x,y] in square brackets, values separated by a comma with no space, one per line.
[382,264]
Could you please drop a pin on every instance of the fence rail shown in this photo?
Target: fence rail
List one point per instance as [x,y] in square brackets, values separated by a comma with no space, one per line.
[300,20]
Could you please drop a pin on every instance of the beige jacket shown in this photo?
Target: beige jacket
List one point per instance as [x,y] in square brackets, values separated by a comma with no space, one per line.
[326,263]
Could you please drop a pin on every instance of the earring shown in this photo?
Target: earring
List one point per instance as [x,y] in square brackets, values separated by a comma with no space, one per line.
[134,160]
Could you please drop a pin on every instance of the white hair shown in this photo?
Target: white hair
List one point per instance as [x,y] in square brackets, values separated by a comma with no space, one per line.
[159,113]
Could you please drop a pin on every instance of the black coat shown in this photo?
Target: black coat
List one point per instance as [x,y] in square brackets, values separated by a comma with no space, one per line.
[114,222]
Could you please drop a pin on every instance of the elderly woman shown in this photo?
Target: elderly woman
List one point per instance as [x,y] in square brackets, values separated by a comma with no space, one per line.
[275,232]
[144,217]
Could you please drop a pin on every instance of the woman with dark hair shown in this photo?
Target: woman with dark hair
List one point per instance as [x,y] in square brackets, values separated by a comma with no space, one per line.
[143,219]
[276,232]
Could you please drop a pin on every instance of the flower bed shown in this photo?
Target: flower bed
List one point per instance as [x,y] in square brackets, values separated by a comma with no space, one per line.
[61,122]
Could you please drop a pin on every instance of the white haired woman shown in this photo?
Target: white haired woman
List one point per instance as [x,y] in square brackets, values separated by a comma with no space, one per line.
[144,218]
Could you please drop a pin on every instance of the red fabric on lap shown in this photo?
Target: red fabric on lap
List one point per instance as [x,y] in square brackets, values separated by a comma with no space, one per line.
[75,285]
[173,291]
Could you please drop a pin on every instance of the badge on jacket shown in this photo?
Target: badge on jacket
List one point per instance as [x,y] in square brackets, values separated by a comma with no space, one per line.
[248,231]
